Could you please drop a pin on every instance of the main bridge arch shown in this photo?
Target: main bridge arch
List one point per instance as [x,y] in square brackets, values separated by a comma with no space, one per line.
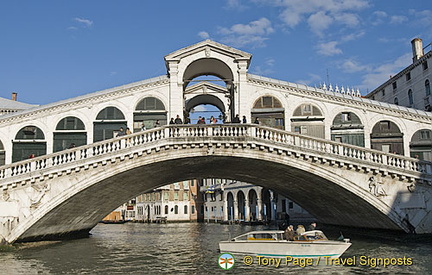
[71,191]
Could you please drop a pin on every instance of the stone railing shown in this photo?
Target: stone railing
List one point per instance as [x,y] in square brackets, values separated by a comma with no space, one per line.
[250,132]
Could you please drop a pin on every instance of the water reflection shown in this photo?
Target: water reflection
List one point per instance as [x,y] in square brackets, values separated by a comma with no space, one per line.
[191,248]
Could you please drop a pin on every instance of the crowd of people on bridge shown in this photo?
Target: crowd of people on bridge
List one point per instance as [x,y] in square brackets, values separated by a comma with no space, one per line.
[178,120]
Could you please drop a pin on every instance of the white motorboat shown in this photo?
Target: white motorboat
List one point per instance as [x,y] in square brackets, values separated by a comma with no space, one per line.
[272,243]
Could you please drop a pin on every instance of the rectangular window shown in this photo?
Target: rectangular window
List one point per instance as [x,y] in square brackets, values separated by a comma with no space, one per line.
[290,205]
[193,209]
[394,84]
[185,196]
[307,109]
[176,196]
[408,76]
[166,196]
[425,65]
[297,129]
[346,117]
[384,125]
[425,134]
[385,148]
[383,92]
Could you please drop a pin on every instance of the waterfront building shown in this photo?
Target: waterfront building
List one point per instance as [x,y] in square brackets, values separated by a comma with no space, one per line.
[411,88]
[172,202]
[234,201]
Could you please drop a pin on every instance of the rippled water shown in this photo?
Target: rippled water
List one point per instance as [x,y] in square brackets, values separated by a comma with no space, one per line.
[191,248]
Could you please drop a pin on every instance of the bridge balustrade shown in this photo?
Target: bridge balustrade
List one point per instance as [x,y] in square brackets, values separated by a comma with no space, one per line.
[253,132]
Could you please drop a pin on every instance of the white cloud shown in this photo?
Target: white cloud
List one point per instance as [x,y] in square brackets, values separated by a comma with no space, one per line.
[235,5]
[313,78]
[383,72]
[204,35]
[398,19]
[86,22]
[329,48]
[352,66]
[353,36]
[327,12]
[254,33]
[319,22]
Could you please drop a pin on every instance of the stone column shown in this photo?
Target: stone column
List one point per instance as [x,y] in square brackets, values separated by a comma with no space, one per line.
[225,206]
[236,212]
[247,210]
[260,206]
[175,90]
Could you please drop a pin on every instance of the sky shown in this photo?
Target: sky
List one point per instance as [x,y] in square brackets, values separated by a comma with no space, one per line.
[57,49]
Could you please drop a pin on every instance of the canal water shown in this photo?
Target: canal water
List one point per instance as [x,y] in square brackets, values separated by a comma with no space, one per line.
[191,248]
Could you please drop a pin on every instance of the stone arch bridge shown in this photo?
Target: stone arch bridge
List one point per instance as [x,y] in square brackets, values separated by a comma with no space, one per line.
[68,192]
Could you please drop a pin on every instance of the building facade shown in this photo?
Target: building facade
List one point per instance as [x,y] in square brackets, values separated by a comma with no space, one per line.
[411,88]
[233,201]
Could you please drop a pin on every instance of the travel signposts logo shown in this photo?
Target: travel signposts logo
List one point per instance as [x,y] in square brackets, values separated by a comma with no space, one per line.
[226,261]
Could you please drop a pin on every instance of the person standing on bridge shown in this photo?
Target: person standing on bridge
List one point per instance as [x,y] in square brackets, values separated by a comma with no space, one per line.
[172,121]
[244,119]
[178,120]
[121,132]
[257,121]
[236,119]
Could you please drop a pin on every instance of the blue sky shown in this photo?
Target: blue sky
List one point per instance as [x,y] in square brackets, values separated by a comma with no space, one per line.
[53,50]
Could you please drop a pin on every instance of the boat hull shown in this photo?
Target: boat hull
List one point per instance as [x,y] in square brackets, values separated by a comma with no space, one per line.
[295,249]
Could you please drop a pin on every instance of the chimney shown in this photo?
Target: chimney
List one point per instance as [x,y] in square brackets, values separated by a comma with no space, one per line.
[417,48]
[14,96]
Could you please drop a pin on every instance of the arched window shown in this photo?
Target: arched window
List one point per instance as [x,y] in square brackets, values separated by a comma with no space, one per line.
[421,145]
[308,120]
[70,132]
[29,143]
[176,209]
[2,154]
[427,87]
[386,136]
[410,97]
[108,123]
[348,128]
[185,209]
[147,112]
[269,111]
[396,101]
[166,209]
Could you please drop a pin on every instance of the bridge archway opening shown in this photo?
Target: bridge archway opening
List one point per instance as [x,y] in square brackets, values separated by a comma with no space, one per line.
[209,76]
[421,145]
[29,143]
[205,106]
[310,190]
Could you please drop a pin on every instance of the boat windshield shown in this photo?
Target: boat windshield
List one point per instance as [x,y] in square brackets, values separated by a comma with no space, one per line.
[260,236]
[312,235]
